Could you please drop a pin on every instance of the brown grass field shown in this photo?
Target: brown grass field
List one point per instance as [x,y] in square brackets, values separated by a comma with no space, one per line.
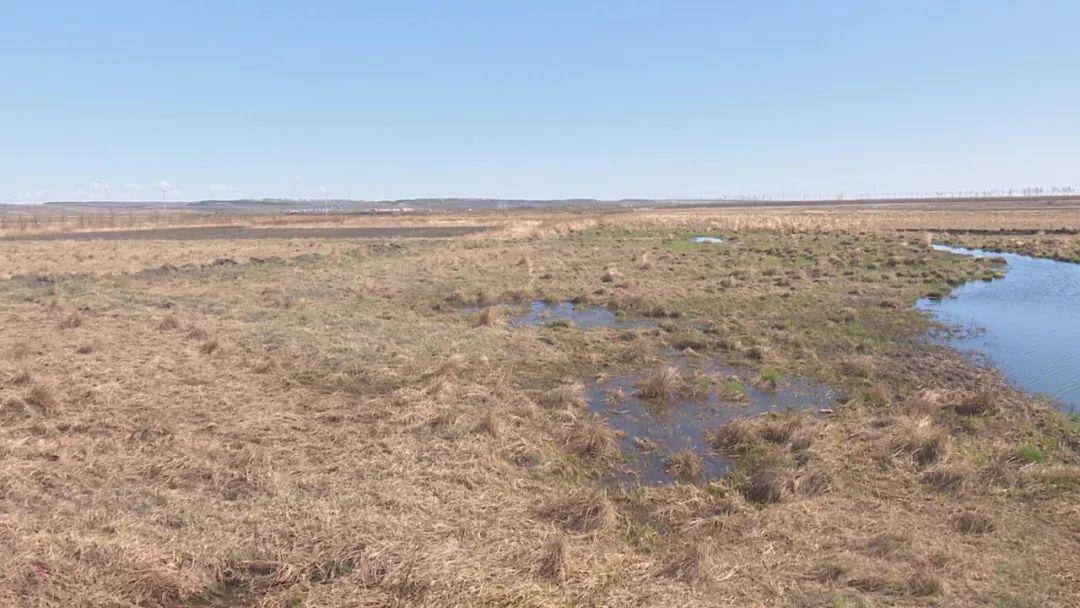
[355,422]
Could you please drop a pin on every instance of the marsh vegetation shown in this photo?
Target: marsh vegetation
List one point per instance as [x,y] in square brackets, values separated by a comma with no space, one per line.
[317,422]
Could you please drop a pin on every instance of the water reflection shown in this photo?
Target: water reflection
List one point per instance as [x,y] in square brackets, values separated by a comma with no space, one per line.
[1026,324]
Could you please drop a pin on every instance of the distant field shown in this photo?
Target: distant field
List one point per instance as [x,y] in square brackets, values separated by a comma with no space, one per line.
[404,411]
[201,233]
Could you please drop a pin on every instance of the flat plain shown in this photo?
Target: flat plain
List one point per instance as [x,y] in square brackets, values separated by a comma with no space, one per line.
[360,419]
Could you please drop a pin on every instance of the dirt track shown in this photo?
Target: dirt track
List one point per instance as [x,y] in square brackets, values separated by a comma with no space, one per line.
[204,233]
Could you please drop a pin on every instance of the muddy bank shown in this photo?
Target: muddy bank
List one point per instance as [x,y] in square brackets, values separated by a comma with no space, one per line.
[203,233]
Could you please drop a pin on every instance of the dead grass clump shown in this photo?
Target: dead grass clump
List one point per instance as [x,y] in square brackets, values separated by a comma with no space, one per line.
[565,396]
[21,377]
[12,410]
[71,320]
[440,387]
[584,511]
[661,385]
[196,333]
[452,366]
[593,438]
[734,434]
[877,396]
[918,440]
[921,405]
[812,481]
[209,347]
[692,565]
[857,367]
[757,353]
[972,522]
[490,424]
[765,477]
[923,583]
[553,558]
[983,401]
[492,315]
[954,479]
[766,484]
[455,299]
[486,299]
[685,465]
[782,428]
[787,429]
[41,396]
[168,323]
[828,572]
[19,350]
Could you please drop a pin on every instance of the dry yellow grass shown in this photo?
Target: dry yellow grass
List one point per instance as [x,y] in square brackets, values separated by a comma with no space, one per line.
[335,430]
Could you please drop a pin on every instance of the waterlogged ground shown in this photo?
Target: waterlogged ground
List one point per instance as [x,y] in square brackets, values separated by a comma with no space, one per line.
[332,430]
[585,317]
[651,431]
[1027,323]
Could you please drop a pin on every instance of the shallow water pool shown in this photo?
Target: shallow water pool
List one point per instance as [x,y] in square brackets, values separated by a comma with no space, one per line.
[651,431]
[1026,324]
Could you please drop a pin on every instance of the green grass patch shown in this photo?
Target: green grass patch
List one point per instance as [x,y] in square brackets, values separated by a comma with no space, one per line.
[1032,454]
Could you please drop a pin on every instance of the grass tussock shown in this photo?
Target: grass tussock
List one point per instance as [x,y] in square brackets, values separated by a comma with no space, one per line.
[42,397]
[972,522]
[22,377]
[983,401]
[451,367]
[209,347]
[491,316]
[919,441]
[694,564]
[788,429]
[552,564]
[953,479]
[663,384]
[196,333]
[812,481]
[738,433]
[583,511]
[491,425]
[169,323]
[924,583]
[570,395]
[766,483]
[71,320]
[685,465]
[593,438]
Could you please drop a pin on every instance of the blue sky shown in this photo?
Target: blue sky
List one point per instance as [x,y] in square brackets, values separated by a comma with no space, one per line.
[105,100]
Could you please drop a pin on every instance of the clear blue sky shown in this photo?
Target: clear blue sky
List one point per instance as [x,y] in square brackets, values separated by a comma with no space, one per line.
[103,100]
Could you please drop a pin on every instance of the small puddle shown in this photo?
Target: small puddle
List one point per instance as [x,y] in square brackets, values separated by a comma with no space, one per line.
[650,431]
[707,239]
[544,313]
[1026,324]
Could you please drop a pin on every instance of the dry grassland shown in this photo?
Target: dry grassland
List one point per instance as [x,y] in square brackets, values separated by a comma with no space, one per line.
[352,423]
